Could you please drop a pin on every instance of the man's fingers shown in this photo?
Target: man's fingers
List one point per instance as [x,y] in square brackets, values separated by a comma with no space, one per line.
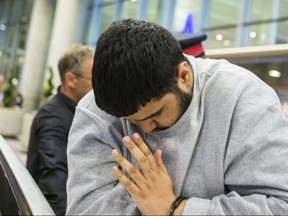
[159,161]
[146,151]
[142,157]
[127,183]
[131,170]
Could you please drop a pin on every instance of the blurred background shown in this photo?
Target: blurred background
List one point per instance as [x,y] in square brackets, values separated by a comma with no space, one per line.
[35,33]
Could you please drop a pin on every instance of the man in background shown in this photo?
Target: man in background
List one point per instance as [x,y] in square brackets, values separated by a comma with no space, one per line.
[47,160]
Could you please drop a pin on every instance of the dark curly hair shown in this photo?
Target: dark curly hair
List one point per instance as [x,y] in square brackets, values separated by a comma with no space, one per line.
[135,62]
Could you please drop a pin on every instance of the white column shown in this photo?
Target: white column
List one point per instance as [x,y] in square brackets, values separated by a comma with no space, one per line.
[51,32]
[36,52]
[66,31]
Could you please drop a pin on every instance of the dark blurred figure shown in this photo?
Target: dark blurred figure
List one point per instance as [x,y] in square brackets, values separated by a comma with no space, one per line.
[47,159]
[19,100]
[191,44]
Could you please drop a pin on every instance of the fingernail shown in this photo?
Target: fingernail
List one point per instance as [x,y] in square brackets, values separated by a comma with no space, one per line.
[126,139]
[136,136]
[115,169]
[115,152]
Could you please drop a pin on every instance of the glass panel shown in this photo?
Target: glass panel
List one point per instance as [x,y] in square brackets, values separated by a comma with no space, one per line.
[182,9]
[261,10]
[283,8]
[222,38]
[153,14]
[87,20]
[8,203]
[108,14]
[221,18]
[130,9]
[222,22]
[258,34]
[14,23]
[282,29]
[282,32]
[262,15]
[224,13]
[258,31]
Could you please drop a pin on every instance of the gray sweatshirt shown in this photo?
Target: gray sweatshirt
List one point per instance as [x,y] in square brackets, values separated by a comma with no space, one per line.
[228,152]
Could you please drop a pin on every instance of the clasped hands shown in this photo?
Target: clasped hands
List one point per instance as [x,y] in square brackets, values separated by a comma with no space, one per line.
[150,185]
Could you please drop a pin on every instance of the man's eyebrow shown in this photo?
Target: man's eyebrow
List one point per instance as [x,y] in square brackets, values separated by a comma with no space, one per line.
[151,115]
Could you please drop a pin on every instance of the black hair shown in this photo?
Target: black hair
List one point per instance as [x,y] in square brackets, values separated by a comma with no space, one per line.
[135,62]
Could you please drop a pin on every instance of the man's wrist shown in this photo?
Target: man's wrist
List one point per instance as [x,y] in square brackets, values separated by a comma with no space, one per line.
[176,204]
[179,210]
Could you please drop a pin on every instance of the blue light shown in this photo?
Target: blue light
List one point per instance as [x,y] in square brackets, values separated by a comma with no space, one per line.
[2,27]
[188,27]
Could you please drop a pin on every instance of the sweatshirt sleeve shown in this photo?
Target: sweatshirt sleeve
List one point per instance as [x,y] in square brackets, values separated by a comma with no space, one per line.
[92,188]
[256,179]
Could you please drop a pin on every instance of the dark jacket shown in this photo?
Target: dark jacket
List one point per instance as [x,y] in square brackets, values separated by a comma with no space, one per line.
[47,159]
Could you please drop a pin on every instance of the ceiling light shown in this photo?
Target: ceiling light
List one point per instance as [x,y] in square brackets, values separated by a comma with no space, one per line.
[253,34]
[274,73]
[2,27]
[263,36]
[219,37]
[226,42]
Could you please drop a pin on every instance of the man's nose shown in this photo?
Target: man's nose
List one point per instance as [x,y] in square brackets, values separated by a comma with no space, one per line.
[148,125]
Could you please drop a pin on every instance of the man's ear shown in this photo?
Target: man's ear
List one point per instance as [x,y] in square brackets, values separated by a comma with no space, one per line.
[70,79]
[185,77]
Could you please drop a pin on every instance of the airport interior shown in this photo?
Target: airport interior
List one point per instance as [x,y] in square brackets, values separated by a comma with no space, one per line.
[34,33]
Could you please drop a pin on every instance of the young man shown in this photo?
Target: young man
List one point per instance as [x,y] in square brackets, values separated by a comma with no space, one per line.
[169,134]
[47,159]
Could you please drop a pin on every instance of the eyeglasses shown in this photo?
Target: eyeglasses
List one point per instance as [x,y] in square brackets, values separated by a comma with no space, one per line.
[82,77]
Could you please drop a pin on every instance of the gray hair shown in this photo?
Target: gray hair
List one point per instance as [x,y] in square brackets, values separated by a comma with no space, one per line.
[73,58]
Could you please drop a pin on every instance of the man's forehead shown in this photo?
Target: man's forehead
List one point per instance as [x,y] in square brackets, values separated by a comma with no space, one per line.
[150,110]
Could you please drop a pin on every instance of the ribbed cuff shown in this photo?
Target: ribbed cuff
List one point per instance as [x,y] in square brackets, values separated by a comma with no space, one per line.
[196,206]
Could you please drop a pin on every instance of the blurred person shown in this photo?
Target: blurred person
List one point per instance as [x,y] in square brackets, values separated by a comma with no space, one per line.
[47,159]
[2,82]
[18,99]
[164,133]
